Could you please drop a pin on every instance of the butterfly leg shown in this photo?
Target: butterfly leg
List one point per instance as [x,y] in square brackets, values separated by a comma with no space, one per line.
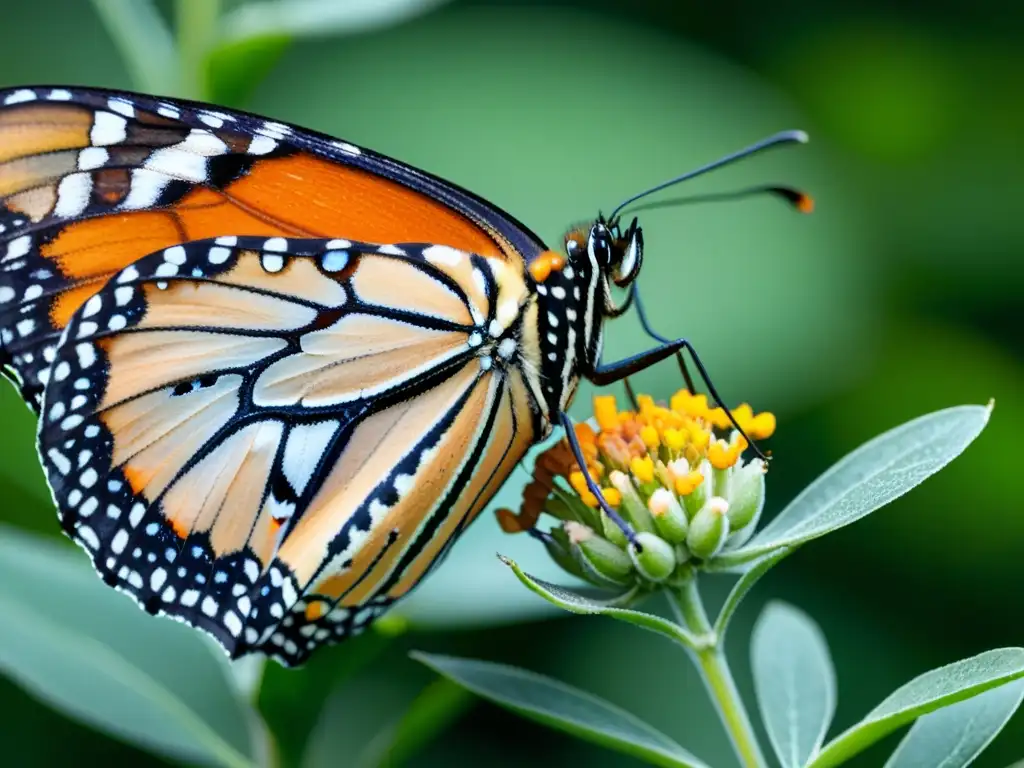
[609,373]
[646,325]
[631,394]
[592,486]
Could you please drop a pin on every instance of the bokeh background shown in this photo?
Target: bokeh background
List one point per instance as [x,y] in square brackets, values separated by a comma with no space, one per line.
[902,294]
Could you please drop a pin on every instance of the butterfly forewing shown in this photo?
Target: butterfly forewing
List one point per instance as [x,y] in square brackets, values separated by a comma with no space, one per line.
[91,181]
[250,435]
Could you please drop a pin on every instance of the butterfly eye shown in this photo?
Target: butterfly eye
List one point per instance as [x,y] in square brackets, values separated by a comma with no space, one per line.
[600,245]
[632,256]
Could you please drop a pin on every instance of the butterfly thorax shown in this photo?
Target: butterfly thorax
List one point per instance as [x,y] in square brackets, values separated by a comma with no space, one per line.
[569,296]
[572,301]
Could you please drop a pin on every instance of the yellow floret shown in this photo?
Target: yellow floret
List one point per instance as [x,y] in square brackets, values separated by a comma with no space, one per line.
[650,437]
[612,496]
[688,484]
[722,455]
[606,413]
[578,482]
[762,426]
[642,468]
[674,439]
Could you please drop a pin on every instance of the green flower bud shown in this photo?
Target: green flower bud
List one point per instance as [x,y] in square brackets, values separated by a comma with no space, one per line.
[709,528]
[746,500]
[559,549]
[632,508]
[720,482]
[611,531]
[599,559]
[656,560]
[697,498]
[668,515]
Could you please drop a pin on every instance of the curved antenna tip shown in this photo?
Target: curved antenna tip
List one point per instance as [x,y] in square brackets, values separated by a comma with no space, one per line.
[799,136]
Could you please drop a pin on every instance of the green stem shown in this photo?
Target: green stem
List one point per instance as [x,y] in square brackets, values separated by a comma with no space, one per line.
[714,668]
[196,26]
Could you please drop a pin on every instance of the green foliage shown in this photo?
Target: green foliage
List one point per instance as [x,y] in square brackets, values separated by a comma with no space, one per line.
[795,682]
[872,476]
[927,693]
[955,735]
[793,672]
[222,57]
[92,654]
[557,705]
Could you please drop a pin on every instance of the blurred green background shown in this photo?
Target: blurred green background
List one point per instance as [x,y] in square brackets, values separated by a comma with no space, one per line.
[900,295]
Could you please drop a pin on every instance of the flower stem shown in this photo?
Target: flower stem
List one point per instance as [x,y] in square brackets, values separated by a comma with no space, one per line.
[714,668]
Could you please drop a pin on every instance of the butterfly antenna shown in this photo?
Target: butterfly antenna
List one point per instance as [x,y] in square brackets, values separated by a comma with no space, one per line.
[783,137]
[800,201]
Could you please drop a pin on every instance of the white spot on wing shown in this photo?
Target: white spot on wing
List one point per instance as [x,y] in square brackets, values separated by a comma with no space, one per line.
[121,106]
[73,195]
[20,96]
[348,149]
[262,145]
[305,446]
[18,247]
[146,187]
[92,157]
[107,129]
[444,255]
[88,535]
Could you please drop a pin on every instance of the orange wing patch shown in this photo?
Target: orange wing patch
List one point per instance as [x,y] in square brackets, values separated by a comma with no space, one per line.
[105,179]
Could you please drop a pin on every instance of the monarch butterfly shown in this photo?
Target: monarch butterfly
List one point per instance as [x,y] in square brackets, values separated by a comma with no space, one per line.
[276,374]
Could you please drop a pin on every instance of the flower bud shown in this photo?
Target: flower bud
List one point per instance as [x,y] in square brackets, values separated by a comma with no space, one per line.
[557,545]
[599,559]
[632,508]
[668,515]
[656,559]
[721,481]
[611,531]
[709,528]
[698,497]
[746,499]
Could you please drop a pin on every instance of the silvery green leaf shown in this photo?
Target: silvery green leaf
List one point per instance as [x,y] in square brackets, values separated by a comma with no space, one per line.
[870,477]
[90,653]
[318,18]
[794,680]
[953,736]
[926,693]
[606,604]
[564,708]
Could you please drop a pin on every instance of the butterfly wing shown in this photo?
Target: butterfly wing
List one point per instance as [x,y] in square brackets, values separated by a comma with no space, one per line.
[274,439]
[92,180]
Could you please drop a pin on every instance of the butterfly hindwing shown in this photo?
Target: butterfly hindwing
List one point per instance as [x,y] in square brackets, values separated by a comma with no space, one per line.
[252,435]
[93,180]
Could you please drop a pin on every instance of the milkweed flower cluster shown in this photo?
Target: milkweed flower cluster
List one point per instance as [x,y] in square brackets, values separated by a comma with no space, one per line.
[675,472]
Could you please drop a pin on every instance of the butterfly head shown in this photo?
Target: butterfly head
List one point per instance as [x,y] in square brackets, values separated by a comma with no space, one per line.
[618,253]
